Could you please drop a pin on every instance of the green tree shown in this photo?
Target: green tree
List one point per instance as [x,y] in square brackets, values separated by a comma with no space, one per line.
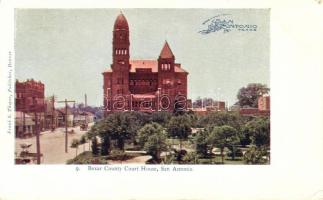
[95,148]
[223,136]
[193,119]
[123,126]
[201,143]
[105,145]
[153,138]
[248,96]
[191,158]
[161,118]
[96,130]
[117,128]
[83,141]
[75,144]
[255,155]
[148,130]
[233,119]
[259,131]
[179,127]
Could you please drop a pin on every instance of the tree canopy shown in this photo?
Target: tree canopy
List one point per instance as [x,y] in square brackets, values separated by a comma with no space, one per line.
[179,127]
[153,138]
[223,136]
[259,131]
[248,96]
[149,129]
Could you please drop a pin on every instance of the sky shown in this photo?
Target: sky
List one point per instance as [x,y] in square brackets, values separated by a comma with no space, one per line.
[68,49]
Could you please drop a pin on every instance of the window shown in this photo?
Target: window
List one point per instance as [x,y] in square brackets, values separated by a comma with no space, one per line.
[122,62]
[165,66]
[167,81]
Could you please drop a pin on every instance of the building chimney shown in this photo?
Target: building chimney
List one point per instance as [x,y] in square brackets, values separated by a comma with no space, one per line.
[85,102]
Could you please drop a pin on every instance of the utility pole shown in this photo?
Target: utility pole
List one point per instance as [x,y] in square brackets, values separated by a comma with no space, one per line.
[53,124]
[37,138]
[23,124]
[66,136]
[36,108]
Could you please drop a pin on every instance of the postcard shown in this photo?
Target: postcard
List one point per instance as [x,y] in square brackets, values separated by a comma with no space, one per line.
[101,89]
[171,94]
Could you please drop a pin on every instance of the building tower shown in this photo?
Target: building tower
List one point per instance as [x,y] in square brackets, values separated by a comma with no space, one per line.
[166,69]
[142,84]
[120,55]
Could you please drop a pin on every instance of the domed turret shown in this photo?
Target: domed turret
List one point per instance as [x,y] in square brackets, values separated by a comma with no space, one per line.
[121,23]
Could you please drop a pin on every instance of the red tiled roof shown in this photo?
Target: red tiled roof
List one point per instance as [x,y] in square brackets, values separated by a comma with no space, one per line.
[121,23]
[144,64]
[166,52]
[178,68]
[148,64]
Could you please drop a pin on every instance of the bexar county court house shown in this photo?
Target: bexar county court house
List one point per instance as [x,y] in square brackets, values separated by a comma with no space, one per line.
[142,85]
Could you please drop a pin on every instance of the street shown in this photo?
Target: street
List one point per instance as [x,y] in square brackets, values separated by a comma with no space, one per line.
[52,145]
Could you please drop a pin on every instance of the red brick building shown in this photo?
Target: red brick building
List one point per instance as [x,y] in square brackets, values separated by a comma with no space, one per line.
[142,85]
[264,103]
[30,96]
[29,99]
[262,110]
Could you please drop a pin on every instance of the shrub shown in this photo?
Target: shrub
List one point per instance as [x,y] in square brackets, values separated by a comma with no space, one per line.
[87,158]
[255,155]
[190,158]
[83,139]
[118,155]
[75,143]
[180,154]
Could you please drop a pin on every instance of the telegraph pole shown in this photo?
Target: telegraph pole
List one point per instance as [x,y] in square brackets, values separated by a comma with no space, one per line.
[37,138]
[66,135]
[53,125]
[36,108]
